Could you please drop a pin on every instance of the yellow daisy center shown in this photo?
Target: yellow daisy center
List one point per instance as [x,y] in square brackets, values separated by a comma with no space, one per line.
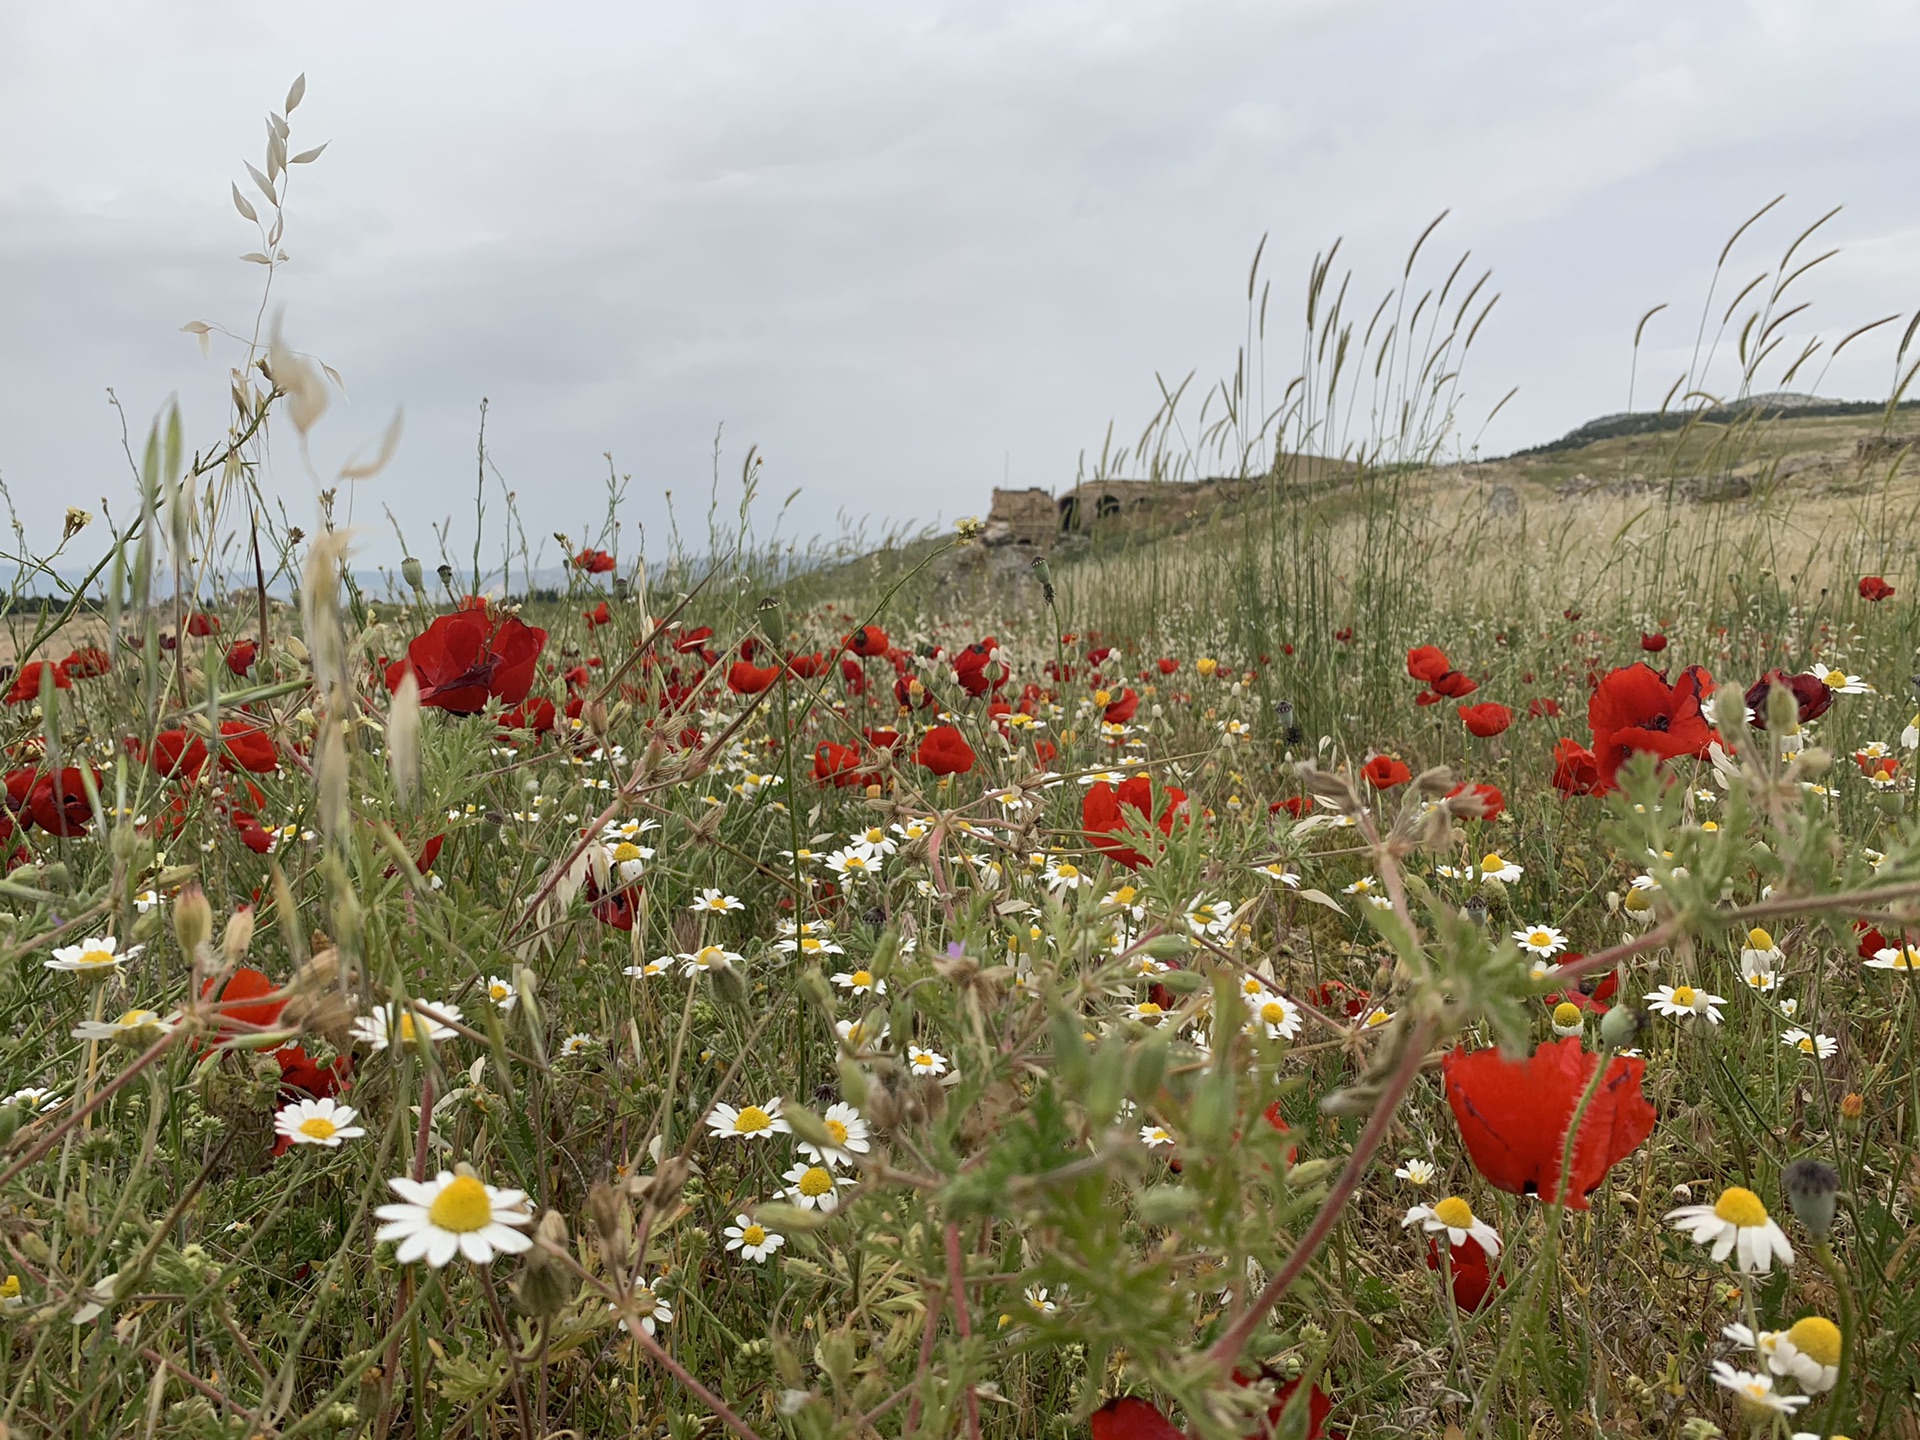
[135,1018]
[837,1130]
[1124,895]
[753,1235]
[1147,1009]
[1273,1012]
[809,944]
[626,850]
[95,957]
[406,1025]
[1566,1014]
[1492,861]
[498,991]
[1817,1337]
[1739,1206]
[862,978]
[318,1127]
[1637,900]
[1683,995]
[1758,939]
[462,1207]
[816,1182]
[1807,1047]
[1066,871]
[1454,1213]
[752,1120]
[1539,937]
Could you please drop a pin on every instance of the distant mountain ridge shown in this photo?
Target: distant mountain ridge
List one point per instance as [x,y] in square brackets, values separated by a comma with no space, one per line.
[1647,422]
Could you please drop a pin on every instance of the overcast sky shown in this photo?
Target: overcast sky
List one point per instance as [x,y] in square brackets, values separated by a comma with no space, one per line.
[906,248]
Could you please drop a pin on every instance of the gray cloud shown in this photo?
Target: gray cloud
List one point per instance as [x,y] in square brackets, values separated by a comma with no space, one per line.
[903,247]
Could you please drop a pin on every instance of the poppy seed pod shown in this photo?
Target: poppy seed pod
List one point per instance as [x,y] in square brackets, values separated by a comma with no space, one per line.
[1812,1189]
[1622,1025]
[411,572]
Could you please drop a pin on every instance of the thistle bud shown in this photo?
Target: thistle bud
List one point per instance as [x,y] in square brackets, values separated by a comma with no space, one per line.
[192,920]
[411,572]
[1811,1189]
[1621,1026]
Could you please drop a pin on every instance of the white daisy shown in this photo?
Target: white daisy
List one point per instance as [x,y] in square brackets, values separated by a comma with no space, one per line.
[389,1023]
[1279,1015]
[1895,957]
[855,1033]
[98,955]
[1736,1224]
[1456,1217]
[502,993]
[1279,874]
[713,902]
[1756,1390]
[1415,1171]
[751,1122]
[708,958]
[754,1241]
[1809,1351]
[35,1099]
[813,1187]
[1815,1047]
[646,970]
[860,982]
[922,1061]
[1841,683]
[1062,874]
[1037,1301]
[450,1215]
[1494,866]
[627,860]
[1683,1002]
[848,1131]
[646,1305]
[1154,1136]
[1542,940]
[318,1122]
[577,1043]
[851,864]
[134,1027]
[873,843]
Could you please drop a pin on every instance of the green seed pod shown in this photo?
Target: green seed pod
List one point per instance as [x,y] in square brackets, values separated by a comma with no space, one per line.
[1149,1066]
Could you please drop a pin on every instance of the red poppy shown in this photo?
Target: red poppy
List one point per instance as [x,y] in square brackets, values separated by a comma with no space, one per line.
[594,562]
[693,641]
[868,640]
[1427,663]
[245,985]
[1634,710]
[1653,644]
[299,1072]
[1591,993]
[240,656]
[248,747]
[202,624]
[808,667]
[26,684]
[1123,709]
[1575,771]
[58,802]
[1045,752]
[1102,817]
[1427,697]
[1472,1276]
[883,737]
[1872,765]
[464,660]
[176,754]
[837,764]
[944,751]
[1344,635]
[1873,588]
[1486,719]
[1295,805]
[1166,665]
[746,678]
[1543,707]
[1492,802]
[598,616]
[86,662]
[1810,693]
[970,668]
[1456,686]
[1127,1417]
[1513,1116]
[536,715]
[1383,772]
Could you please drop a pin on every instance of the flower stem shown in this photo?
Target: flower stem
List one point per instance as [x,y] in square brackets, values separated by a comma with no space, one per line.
[1843,1293]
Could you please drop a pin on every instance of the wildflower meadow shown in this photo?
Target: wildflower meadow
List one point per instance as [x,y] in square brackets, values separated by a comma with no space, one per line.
[1355,964]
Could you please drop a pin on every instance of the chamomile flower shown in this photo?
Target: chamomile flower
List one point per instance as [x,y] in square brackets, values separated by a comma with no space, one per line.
[813,1187]
[751,1122]
[1126,899]
[98,956]
[1494,866]
[647,1306]
[1365,885]
[851,864]
[502,993]
[1279,874]
[318,1122]
[1279,1015]
[1456,1217]
[1841,683]
[1542,940]
[450,1215]
[647,969]
[1062,874]
[1736,1224]
[134,1027]
[856,1033]
[1037,1301]
[848,1132]
[709,958]
[922,1061]
[1155,1136]
[628,860]
[148,900]
[1147,1012]
[1210,917]
[753,1240]
[1895,957]
[391,1023]
[860,982]
[1756,1390]
[35,1099]
[1415,1171]
[577,1043]
[713,902]
[1814,1047]
[1683,1002]
[1809,1351]
[1568,1019]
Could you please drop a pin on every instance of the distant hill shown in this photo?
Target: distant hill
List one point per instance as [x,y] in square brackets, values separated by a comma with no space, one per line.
[1649,422]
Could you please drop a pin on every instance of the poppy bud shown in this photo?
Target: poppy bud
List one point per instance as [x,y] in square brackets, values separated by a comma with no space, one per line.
[192,920]
[854,1084]
[239,937]
[1621,1026]
[545,1285]
[1783,710]
[1309,1172]
[814,986]
[411,572]
[729,986]
[1811,1189]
